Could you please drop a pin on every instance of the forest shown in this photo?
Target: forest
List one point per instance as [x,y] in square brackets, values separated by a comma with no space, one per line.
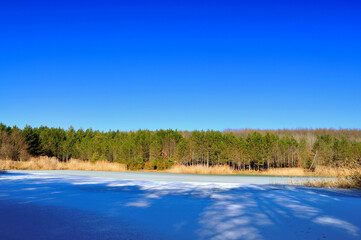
[244,149]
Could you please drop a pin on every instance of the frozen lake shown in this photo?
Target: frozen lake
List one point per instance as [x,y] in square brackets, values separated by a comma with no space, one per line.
[173,177]
[141,205]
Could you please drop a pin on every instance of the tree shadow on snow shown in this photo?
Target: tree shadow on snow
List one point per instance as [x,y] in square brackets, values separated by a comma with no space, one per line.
[181,210]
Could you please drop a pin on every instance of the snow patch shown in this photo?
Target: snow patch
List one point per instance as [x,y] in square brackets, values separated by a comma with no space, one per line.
[140,203]
[334,222]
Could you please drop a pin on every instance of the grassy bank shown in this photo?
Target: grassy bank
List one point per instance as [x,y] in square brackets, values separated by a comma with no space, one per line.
[45,163]
[341,178]
[199,169]
[324,176]
[225,169]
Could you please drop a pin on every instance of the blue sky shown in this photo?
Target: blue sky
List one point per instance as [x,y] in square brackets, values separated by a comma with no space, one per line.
[181,64]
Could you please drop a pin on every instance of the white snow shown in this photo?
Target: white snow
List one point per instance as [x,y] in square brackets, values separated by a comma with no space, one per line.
[337,223]
[49,205]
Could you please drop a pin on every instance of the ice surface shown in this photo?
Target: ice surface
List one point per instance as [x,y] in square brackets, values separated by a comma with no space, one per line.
[98,205]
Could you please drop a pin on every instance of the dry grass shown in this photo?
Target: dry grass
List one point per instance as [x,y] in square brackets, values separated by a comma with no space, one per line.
[324,176]
[46,163]
[334,182]
[335,178]
[284,172]
[333,172]
[224,169]
[199,169]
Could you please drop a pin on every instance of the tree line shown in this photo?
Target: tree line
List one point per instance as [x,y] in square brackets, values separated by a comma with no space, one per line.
[245,149]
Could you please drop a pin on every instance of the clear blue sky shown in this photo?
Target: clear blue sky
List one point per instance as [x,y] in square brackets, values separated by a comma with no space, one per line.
[180,64]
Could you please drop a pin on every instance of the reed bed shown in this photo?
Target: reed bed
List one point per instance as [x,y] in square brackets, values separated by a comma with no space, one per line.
[284,172]
[46,163]
[336,178]
[334,171]
[322,176]
[199,169]
[225,169]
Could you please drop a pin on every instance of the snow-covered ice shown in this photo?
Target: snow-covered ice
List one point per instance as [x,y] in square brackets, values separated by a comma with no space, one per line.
[94,205]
